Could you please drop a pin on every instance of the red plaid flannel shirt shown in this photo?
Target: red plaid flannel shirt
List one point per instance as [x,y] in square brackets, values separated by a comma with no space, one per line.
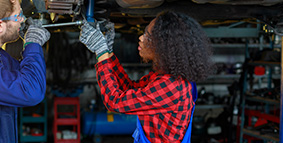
[162,103]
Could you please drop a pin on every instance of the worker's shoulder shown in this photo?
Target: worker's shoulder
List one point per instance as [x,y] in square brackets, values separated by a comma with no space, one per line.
[165,77]
[168,78]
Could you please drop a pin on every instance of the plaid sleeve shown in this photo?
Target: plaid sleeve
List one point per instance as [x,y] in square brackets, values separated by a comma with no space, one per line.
[159,96]
[123,79]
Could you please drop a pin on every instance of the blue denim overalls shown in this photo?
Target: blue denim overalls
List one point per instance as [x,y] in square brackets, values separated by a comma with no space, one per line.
[140,137]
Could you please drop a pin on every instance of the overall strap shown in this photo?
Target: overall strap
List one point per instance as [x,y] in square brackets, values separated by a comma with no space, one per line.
[187,137]
[139,135]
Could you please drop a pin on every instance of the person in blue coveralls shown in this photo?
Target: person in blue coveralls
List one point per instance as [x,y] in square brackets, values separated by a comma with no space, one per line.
[164,100]
[22,83]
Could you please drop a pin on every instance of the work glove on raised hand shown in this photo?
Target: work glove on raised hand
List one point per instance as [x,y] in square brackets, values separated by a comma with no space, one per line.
[93,38]
[24,25]
[36,33]
[109,34]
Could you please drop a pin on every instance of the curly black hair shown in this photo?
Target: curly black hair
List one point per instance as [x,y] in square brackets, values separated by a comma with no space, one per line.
[181,47]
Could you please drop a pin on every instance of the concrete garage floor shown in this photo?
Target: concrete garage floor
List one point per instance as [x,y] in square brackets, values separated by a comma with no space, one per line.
[125,139]
[109,139]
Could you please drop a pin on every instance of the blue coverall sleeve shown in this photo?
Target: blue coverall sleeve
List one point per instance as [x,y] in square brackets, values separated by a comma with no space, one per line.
[25,85]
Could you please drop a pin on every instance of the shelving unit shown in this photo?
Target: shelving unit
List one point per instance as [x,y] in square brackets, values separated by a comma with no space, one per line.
[68,119]
[218,84]
[246,131]
[33,120]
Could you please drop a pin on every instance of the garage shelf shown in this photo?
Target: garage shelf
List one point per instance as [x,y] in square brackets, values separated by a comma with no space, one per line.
[240,45]
[33,138]
[262,99]
[67,141]
[212,106]
[67,121]
[256,134]
[33,119]
[263,63]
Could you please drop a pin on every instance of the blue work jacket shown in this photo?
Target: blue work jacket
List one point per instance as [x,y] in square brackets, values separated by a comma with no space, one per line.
[21,84]
[139,136]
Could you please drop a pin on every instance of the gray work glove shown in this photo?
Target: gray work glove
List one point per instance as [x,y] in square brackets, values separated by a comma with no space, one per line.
[93,38]
[35,22]
[24,25]
[36,33]
[110,35]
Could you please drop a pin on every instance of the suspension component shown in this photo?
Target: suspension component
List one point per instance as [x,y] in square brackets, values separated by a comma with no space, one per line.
[100,10]
[61,6]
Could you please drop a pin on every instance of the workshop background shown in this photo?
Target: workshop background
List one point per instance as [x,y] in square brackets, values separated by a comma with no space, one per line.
[239,103]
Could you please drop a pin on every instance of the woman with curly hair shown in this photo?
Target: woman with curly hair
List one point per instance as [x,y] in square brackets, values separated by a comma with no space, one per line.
[164,100]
